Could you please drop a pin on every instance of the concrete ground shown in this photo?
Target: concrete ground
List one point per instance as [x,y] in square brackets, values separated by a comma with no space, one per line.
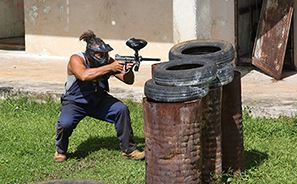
[40,75]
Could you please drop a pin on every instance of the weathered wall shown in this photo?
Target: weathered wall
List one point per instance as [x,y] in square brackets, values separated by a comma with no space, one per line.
[203,19]
[54,26]
[222,25]
[215,20]
[11,18]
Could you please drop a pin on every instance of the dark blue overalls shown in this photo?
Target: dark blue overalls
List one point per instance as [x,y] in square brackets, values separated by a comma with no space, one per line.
[87,98]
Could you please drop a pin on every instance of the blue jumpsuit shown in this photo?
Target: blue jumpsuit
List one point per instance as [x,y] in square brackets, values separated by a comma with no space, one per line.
[90,98]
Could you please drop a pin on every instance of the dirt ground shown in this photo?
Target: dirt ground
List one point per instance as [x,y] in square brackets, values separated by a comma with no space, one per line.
[265,96]
[42,75]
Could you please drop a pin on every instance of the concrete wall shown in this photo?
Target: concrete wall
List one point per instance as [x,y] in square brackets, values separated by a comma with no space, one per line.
[54,26]
[204,19]
[222,24]
[11,18]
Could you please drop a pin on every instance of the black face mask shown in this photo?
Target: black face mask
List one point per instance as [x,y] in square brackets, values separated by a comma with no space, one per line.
[104,48]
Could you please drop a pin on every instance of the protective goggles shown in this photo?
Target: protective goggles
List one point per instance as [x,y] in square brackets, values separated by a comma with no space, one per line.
[103,48]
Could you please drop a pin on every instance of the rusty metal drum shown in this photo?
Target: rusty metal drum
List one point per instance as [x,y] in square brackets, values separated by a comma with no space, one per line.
[153,67]
[211,135]
[172,141]
[232,128]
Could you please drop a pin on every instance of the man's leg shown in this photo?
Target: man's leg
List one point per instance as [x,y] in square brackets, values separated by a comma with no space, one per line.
[113,110]
[70,116]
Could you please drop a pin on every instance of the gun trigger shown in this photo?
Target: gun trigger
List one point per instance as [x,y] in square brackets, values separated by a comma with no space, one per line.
[127,71]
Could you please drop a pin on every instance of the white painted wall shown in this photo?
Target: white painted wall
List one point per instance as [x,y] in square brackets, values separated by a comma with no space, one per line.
[184,20]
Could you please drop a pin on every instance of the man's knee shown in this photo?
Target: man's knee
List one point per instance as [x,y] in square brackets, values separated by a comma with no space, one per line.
[66,123]
[122,109]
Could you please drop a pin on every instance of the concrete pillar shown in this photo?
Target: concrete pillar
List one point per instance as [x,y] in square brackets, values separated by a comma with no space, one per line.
[203,19]
[184,20]
[223,24]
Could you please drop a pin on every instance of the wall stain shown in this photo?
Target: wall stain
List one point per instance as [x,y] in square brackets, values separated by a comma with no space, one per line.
[62,9]
[33,13]
[47,9]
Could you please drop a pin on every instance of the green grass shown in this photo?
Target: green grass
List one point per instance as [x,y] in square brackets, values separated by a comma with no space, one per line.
[27,146]
[270,150]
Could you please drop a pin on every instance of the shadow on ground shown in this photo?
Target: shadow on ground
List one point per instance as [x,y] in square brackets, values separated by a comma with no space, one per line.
[94,144]
[244,70]
[254,158]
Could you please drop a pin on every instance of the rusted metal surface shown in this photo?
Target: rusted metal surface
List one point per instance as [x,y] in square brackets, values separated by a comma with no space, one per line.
[272,36]
[211,134]
[153,67]
[172,142]
[236,59]
[232,128]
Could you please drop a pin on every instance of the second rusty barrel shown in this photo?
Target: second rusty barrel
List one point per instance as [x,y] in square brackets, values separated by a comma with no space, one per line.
[232,127]
[172,141]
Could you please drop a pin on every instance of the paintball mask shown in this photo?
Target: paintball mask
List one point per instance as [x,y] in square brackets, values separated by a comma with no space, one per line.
[102,50]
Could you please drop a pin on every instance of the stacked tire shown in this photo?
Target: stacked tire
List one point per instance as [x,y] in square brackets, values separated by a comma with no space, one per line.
[180,80]
[194,66]
[219,51]
[174,132]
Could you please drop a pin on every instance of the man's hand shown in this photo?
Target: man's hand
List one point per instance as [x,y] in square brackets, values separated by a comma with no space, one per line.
[117,66]
[121,72]
[129,66]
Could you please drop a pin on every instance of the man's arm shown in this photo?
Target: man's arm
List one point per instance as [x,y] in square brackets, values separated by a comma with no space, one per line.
[76,67]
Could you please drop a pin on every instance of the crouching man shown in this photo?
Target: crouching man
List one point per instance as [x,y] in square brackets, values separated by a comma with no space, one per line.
[86,95]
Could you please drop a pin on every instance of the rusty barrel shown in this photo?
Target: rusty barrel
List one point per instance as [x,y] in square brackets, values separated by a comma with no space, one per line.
[232,128]
[153,67]
[172,141]
[211,135]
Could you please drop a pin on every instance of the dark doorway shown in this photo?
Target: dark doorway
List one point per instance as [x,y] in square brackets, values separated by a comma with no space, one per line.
[12,32]
[248,14]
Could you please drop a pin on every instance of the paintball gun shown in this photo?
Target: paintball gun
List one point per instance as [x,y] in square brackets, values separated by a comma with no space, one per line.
[136,45]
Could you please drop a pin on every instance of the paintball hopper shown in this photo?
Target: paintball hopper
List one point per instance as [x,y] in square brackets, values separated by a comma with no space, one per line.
[136,44]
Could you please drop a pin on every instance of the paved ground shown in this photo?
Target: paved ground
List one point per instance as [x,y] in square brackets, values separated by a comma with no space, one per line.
[41,75]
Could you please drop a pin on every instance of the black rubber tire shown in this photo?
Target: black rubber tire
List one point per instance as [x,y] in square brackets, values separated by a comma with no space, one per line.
[220,51]
[225,75]
[161,93]
[184,72]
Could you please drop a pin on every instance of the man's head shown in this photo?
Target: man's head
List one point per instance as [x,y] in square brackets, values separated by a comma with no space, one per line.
[96,49]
